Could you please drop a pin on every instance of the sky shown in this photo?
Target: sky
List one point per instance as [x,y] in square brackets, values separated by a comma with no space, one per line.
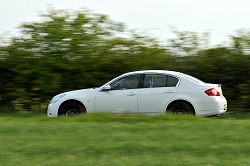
[220,18]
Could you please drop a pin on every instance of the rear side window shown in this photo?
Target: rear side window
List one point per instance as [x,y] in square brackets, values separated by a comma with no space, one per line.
[158,80]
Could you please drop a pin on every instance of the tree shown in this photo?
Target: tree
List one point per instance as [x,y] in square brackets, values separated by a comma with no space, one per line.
[241,41]
[71,50]
[187,42]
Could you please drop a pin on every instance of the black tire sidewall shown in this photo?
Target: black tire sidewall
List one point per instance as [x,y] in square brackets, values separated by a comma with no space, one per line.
[72,105]
[181,105]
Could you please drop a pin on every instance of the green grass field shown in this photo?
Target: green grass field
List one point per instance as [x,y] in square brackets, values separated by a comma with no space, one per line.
[123,140]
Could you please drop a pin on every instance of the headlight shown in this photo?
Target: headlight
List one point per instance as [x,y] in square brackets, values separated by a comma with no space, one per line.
[56,98]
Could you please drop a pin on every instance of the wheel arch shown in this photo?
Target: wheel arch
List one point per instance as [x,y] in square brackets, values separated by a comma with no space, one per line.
[180,100]
[68,101]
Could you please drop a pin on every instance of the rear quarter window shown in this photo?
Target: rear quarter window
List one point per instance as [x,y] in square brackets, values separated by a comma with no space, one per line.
[171,81]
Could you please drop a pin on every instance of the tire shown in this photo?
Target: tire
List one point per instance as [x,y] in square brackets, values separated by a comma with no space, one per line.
[72,109]
[181,108]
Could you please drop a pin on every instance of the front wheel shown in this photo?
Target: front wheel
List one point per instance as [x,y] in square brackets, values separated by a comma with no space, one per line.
[72,109]
[180,108]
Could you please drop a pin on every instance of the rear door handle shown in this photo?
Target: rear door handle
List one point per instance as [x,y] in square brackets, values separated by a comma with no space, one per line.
[169,91]
[131,94]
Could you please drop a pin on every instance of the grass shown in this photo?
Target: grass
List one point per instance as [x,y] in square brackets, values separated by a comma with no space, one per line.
[104,139]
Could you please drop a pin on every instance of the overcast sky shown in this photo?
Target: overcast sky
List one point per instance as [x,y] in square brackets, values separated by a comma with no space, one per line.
[153,17]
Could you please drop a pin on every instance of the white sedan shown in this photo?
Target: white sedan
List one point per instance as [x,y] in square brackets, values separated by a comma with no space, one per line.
[144,92]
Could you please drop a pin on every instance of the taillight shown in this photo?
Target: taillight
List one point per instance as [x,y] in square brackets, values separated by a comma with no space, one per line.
[212,92]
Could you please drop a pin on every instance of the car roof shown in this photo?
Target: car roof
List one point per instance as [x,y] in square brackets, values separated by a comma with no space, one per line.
[174,73]
[153,71]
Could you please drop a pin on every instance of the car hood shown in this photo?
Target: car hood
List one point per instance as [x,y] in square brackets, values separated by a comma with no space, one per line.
[82,91]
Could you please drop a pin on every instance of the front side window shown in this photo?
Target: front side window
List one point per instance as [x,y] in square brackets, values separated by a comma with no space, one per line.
[129,82]
[158,80]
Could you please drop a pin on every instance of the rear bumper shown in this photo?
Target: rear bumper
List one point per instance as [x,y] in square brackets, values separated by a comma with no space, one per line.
[217,107]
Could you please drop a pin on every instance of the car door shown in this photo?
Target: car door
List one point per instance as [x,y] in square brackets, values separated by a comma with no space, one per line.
[122,97]
[157,90]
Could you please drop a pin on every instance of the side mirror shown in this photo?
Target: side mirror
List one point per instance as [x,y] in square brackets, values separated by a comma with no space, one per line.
[107,88]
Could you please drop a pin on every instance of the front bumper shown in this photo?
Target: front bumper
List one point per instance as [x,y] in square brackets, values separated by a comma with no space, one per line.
[52,110]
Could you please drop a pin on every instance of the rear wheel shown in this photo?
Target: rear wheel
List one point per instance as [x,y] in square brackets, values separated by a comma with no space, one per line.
[72,109]
[180,108]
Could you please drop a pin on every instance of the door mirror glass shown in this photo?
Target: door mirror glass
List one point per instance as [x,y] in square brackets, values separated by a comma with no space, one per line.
[107,88]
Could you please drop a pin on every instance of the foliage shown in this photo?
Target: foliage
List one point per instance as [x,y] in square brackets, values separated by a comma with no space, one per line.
[71,50]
